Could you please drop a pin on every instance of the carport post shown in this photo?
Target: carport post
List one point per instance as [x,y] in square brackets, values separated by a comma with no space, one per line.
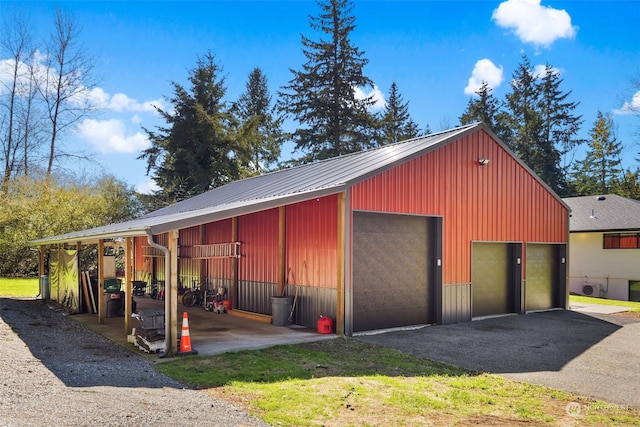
[128,277]
[99,297]
[172,284]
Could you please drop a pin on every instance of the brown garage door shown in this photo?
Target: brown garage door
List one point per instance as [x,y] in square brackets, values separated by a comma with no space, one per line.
[490,287]
[390,271]
[540,291]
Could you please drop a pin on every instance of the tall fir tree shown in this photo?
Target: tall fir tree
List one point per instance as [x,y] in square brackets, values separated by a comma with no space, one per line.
[540,123]
[523,117]
[260,133]
[321,96]
[600,170]
[195,151]
[560,127]
[486,108]
[396,123]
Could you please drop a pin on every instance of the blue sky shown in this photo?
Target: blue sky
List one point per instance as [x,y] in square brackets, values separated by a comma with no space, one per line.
[437,52]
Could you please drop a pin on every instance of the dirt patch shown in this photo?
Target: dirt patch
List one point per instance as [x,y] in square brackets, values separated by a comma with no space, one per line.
[634,314]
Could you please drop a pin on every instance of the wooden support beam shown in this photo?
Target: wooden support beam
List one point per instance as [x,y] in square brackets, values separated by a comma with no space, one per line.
[41,266]
[100,296]
[171,292]
[129,263]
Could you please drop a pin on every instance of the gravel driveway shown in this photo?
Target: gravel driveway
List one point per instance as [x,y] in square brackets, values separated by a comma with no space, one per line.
[55,372]
[595,355]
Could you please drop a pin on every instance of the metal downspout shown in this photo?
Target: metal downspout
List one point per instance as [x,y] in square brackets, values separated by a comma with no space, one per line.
[167,306]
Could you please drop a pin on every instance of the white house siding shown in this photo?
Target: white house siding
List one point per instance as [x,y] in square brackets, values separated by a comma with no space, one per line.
[612,268]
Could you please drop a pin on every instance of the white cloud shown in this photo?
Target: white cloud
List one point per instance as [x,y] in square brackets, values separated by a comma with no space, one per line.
[121,102]
[630,107]
[81,96]
[378,97]
[540,71]
[484,71]
[108,136]
[534,23]
[147,187]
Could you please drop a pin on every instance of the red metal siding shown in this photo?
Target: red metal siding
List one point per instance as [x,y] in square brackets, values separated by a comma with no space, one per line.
[501,201]
[139,242]
[258,236]
[311,242]
[189,269]
[219,232]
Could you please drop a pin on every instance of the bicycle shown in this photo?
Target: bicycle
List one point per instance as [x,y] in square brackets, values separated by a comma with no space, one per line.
[193,297]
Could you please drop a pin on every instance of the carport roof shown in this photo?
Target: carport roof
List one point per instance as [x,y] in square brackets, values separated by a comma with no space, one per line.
[603,213]
[272,189]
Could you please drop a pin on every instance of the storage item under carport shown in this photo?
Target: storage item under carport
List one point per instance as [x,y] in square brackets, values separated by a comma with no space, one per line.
[149,336]
[281,310]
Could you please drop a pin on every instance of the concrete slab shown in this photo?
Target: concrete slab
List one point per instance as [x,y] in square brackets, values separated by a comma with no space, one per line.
[584,307]
[210,333]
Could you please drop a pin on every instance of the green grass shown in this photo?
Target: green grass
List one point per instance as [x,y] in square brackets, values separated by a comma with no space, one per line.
[633,305]
[19,287]
[344,382]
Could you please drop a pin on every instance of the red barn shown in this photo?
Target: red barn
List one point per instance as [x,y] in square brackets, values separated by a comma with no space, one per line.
[437,229]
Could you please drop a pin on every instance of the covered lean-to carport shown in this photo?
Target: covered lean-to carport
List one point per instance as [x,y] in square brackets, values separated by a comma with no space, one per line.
[437,229]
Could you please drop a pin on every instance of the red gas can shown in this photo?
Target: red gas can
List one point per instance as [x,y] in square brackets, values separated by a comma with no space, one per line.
[325,325]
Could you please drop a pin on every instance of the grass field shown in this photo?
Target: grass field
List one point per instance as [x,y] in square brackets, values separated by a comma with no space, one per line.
[22,288]
[344,382]
[633,305]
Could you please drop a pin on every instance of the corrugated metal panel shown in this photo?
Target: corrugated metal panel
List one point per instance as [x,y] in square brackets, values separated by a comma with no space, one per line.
[218,232]
[258,236]
[456,303]
[501,201]
[256,296]
[311,302]
[278,188]
[312,176]
[311,242]
[189,269]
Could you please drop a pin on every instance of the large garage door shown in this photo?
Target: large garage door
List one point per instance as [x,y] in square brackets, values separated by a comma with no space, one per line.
[390,271]
[490,286]
[540,292]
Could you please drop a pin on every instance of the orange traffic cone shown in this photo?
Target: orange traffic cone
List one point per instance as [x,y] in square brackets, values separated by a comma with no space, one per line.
[185,339]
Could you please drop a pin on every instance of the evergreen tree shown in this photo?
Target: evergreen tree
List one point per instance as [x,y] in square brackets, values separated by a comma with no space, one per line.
[559,126]
[540,123]
[195,152]
[260,134]
[486,109]
[522,116]
[396,123]
[598,172]
[321,96]
[628,185]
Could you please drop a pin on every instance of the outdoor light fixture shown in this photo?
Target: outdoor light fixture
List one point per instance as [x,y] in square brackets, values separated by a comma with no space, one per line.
[483,161]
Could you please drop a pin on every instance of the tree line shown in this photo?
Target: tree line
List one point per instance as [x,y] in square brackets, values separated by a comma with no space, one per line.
[207,143]
[208,140]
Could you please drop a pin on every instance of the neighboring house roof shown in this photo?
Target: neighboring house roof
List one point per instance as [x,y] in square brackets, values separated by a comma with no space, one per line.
[275,189]
[603,213]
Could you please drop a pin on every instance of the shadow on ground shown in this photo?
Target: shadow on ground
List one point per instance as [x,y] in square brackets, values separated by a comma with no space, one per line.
[544,341]
[77,356]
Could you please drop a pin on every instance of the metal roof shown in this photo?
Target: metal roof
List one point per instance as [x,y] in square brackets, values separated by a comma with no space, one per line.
[603,213]
[274,189]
